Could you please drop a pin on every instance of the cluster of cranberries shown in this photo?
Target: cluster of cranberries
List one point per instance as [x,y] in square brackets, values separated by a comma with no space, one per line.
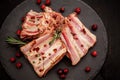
[13,60]
[62,73]
[47,3]
[17,55]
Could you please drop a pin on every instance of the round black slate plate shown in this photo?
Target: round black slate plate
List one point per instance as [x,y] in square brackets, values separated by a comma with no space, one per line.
[88,16]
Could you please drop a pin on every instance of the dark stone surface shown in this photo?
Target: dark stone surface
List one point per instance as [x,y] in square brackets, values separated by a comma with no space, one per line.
[109,11]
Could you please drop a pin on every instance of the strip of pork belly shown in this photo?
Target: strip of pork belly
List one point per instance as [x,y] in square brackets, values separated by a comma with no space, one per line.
[34,43]
[43,56]
[52,56]
[73,53]
[77,40]
[37,24]
[85,33]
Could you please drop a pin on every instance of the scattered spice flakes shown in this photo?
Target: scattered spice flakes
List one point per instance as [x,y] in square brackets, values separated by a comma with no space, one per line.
[45,45]
[55,50]
[36,55]
[41,70]
[54,16]
[36,49]
[40,17]
[47,22]
[49,54]
[43,57]
[33,62]
[34,42]
[73,34]
[75,38]
[33,17]
[39,59]
[82,45]
[84,31]
[42,53]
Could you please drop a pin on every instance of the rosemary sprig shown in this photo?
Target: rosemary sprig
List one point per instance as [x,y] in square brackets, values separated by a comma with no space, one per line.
[14,41]
[55,36]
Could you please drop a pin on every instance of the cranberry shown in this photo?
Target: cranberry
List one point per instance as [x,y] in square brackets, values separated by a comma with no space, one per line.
[18,55]
[62,9]
[12,59]
[66,70]
[87,69]
[43,6]
[94,27]
[94,53]
[38,1]
[47,2]
[18,65]
[62,76]
[18,32]
[23,19]
[77,10]
[59,71]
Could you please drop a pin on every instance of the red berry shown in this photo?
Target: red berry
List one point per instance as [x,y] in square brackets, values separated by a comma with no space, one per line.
[18,65]
[47,2]
[62,76]
[94,27]
[77,10]
[18,32]
[18,55]
[12,59]
[94,53]
[38,1]
[87,69]
[66,70]
[62,9]
[59,71]
[43,6]
[23,19]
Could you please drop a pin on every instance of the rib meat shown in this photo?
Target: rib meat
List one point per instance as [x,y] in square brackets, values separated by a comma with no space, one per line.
[42,55]
[38,24]
[77,38]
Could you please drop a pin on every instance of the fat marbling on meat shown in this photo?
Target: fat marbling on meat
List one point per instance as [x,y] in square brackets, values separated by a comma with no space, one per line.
[77,38]
[37,24]
[42,55]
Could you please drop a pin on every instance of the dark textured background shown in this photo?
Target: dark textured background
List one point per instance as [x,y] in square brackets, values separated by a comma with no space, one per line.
[109,11]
